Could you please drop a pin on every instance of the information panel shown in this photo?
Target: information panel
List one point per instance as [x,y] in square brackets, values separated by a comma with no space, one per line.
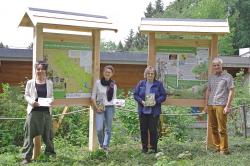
[70,68]
[183,70]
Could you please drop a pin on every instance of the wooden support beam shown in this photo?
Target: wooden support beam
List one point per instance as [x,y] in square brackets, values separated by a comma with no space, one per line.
[37,46]
[151,49]
[58,37]
[68,102]
[185,102]
[184,42]
[57,124]
[96,73]
[213,52]
[37,55]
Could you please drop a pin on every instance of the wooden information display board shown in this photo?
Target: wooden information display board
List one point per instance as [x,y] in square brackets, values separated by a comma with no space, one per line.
[169,33]
[43,19]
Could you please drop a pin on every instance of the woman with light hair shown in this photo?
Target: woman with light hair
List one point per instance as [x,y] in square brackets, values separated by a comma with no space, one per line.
[149,94]
[103,95]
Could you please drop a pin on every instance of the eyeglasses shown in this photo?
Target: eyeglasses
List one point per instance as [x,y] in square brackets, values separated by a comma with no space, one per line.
[150,73]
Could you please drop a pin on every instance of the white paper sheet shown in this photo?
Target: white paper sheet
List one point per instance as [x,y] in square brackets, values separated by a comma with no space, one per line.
[119,102]
[45,102]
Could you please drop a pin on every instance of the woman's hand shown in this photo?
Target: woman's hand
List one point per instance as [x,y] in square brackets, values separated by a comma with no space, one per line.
[35,104]
[143,103]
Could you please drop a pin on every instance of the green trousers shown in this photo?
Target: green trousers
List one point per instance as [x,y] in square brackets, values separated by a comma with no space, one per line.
[38,123]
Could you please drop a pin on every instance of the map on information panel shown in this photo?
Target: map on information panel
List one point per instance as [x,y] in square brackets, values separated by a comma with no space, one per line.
[183,70]
[70,66]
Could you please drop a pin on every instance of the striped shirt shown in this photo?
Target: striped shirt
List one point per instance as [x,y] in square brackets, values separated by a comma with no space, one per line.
[219,86]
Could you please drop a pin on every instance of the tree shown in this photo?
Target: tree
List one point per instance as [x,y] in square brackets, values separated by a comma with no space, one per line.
[149,11]
[129,42]
[120,46]
[30,45]
[1,45]
[140,41]
[108,46]
[242,38]
[159,9]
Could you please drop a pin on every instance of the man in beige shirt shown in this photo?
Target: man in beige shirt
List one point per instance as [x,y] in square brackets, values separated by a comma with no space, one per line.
[219,96]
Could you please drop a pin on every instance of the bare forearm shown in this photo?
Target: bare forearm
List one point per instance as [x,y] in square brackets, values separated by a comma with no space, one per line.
[207,97]
[230,97]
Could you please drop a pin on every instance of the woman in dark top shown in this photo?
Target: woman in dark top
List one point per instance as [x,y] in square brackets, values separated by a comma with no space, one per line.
[39,119]
[149,94]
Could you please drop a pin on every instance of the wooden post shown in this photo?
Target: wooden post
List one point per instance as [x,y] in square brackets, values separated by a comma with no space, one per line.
[213,52]
[151,49]
[151,60]
[37,55]
[96,73]
[244,110]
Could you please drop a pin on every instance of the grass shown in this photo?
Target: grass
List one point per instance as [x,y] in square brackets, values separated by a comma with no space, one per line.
[129,153]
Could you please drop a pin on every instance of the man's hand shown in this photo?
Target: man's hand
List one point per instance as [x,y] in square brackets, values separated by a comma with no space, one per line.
[206,109]
[226,110]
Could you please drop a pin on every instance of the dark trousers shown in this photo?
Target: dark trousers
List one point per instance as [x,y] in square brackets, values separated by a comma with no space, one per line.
[149,123]
[38,123]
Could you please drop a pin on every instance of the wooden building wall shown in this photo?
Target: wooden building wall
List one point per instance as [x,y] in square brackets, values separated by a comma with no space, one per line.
[127,75]
[14,72]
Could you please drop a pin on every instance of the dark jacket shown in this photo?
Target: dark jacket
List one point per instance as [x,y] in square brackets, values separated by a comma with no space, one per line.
[159,91]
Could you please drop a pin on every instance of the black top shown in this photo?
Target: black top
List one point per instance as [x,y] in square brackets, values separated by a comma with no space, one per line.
[41,92]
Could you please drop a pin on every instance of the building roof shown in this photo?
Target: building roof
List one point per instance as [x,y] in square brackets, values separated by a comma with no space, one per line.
[124,57]
[174,25]
[16,54]
[117,57]
[54,19]
[235,61]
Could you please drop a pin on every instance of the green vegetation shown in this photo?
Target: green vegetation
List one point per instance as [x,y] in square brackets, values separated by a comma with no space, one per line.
[179,144]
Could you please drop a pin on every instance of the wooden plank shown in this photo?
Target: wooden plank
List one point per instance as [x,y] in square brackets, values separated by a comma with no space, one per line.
[185,102]
[151,49]
[96,72]
[72,101]
[57,124]
[37,46]
[37,147]
[184,42]
[67,38]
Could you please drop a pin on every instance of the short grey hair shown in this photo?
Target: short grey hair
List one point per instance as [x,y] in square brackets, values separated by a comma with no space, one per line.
[150,69]
[217,60]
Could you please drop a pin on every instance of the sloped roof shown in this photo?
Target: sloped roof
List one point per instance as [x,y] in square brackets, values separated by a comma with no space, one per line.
[65,20]
[173,25]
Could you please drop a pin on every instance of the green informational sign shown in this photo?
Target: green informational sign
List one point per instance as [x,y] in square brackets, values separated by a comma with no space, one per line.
[172,49]
[70,68]
[183,70]
[65,45]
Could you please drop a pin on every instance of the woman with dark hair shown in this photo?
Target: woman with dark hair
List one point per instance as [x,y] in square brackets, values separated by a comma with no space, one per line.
[103,95]
[39,118]
[149,94]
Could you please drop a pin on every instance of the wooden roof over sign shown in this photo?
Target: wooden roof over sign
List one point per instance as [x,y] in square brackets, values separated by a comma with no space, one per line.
[54,19]
[193,26]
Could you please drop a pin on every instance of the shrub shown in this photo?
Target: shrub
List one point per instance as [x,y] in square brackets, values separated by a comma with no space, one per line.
[13,105]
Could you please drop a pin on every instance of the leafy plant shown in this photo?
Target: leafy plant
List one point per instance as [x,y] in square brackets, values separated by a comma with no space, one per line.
[12,105]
